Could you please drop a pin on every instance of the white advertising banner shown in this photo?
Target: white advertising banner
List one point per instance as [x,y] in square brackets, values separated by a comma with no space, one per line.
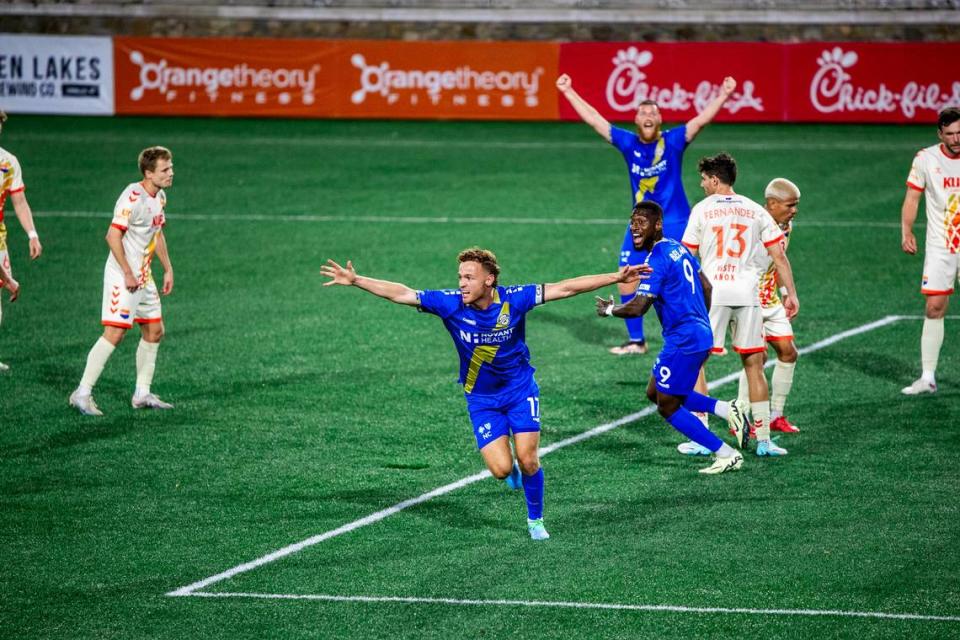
[56,74]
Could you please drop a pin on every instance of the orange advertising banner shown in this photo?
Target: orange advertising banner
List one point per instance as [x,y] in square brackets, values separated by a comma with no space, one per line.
[336,78]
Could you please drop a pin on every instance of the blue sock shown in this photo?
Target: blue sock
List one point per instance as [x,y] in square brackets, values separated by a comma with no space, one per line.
[690,426]
[634,325]
[699,402]
[533,490]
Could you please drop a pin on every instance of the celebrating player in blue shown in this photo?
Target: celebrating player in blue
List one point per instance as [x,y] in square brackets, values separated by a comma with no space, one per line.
[487,323]
[681,296]
[653,160]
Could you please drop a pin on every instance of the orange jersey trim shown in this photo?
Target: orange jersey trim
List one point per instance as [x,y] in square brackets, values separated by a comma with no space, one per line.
[774,241]
[931,292]
[752,350]
[690,246]
[147,320]
[910,185]
[717,351]
[775,338]
[118,226]
[108,323]
[13,191]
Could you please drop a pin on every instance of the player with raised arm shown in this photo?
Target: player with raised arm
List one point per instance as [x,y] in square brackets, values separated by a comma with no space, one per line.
[935,174]
[129,292]
[487,322]
[729,232]
[654,163]
[680,294]
[11,184]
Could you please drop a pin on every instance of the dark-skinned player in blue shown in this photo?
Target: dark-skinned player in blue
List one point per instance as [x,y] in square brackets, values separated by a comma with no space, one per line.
[680,294]
[488,323]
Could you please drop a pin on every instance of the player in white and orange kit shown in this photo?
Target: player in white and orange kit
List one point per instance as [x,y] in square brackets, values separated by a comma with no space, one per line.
[729,232]
[936,175]
[129,292]
[782,197]
[11,184]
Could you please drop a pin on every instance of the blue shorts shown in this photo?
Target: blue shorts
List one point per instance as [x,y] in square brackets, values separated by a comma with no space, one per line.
[676,373]
[515,412]
[631,256]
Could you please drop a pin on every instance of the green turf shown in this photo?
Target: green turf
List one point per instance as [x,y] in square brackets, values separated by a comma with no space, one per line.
[301,409]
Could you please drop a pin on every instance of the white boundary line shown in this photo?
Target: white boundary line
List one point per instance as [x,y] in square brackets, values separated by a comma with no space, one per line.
[508,219]
[583,605]
[194,588]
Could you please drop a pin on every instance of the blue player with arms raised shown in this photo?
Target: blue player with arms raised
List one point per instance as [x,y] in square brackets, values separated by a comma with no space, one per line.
[487,323]
[680,294]
[654,161]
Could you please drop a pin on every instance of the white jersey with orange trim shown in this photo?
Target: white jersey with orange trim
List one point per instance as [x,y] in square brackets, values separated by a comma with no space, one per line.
[769,287]
[140,216]
[11,177]
[938,176]
[730,232]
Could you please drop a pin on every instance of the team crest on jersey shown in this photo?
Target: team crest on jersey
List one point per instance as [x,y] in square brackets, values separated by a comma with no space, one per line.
[5,167]
[124,313]
[503,320]
[485,430]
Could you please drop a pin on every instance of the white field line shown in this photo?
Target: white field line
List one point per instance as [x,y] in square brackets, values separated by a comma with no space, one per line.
[508,219]
[401,143]
[585,605]
[191,589]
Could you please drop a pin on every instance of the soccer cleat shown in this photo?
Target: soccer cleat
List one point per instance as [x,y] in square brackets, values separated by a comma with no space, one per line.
[513,480]
[693,449]
[919,386]
[780,423]
[537,530]
[737,419]
[767,448]
[630,348]
[85,404]
[149,401]
[4,367]
[753,431]
[722,464]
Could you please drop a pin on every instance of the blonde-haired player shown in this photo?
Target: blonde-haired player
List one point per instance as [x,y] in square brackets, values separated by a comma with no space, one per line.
[11,184]
[936,175]
[730,232]
[781,199]
[129,292]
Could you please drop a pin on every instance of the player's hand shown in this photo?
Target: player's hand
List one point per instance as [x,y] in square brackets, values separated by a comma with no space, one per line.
[603,304]
[633,272]
[130,282]
[167,288]
[35,248]
[13,287]
[908,242]
[791,305]
[564,83]
[729,86]
[337,274]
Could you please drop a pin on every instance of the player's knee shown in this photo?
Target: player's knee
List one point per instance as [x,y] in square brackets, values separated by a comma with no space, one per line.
[789,354]
[667,405]
[500,472]
[529,463]
[936,307]
[114,335]
[652,394]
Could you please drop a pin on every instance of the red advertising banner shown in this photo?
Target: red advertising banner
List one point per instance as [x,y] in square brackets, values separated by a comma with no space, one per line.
[870,81]
[682,77]
[336,78]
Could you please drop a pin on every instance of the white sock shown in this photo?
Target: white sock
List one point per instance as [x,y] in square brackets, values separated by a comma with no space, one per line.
[780,385]
[725,451]
[96,361]
[743,390]
[761,417]
[723,410]
[930,342]
[146,363]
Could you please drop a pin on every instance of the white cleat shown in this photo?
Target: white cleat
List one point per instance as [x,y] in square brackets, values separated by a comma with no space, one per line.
[721,464]
[919,386]
[149,401]
[693,449]
[85,404]
[4,367]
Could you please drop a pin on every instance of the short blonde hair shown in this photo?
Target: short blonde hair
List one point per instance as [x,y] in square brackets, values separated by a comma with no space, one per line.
[781,189]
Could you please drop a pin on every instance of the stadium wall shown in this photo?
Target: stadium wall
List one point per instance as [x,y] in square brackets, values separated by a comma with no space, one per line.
[475,80]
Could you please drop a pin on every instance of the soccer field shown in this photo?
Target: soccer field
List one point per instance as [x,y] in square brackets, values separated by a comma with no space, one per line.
[310,416]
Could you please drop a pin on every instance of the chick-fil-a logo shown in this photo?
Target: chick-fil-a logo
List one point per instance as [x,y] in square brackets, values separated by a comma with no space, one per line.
[832,90]
[627,87]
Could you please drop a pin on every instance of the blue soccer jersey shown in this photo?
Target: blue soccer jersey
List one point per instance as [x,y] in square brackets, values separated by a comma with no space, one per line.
[656,173]
[679,302]
[494,359]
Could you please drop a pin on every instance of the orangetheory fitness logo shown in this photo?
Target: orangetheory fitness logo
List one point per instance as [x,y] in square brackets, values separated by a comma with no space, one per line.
[235,84]
[629,84]
[463,84]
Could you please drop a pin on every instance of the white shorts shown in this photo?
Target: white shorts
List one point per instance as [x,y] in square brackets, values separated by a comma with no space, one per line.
[776,324]
[122,308]
[746,328]
[940,271]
